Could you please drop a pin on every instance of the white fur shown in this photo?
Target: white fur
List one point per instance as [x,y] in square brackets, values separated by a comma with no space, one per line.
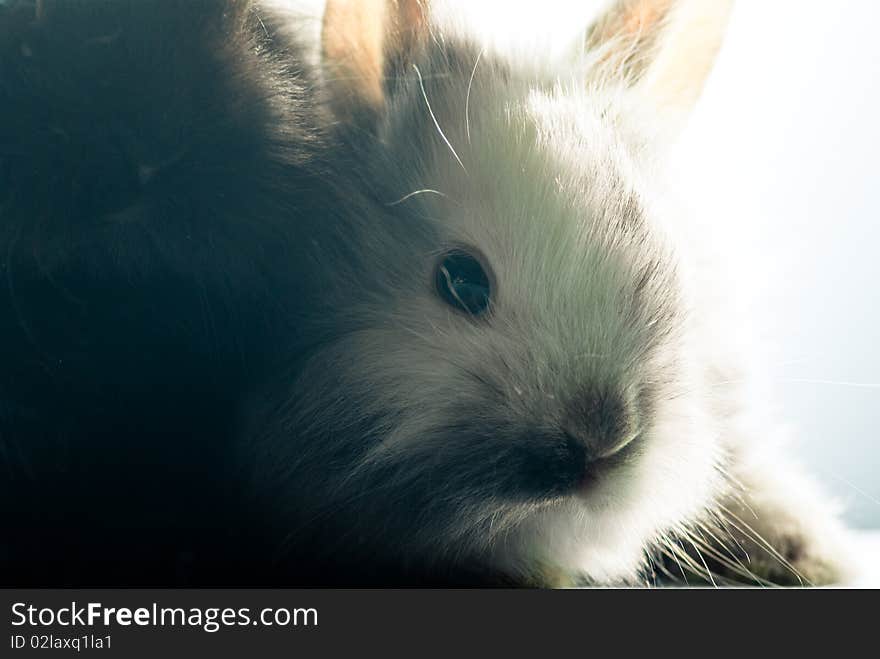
[556,181]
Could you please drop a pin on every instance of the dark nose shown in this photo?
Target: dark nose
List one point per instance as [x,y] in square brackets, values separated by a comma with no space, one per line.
[550,466]
[602,422]
[561,461]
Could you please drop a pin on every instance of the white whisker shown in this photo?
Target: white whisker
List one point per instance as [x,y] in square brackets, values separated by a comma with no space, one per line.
[467,98]
[840,383]
[858,490]
[434,119]
[413,194]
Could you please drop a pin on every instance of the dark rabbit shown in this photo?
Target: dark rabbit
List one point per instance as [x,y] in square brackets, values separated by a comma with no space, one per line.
[163,168]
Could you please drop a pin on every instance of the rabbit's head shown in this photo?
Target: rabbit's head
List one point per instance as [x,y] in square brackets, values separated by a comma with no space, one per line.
[501,375]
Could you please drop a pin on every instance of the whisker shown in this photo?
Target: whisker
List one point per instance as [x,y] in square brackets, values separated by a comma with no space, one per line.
[709,574]
[413,194]
[733,563]
[723,528]
[467,98]
[856,489]
[660,566]
[262,25]
[839,383]
[693,566]
[752,534]
[434,118]
[667,551]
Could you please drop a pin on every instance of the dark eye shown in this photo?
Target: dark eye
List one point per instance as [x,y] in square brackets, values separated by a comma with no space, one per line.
[462,282]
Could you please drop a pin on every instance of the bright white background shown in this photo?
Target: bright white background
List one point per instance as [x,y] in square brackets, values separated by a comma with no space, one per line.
[787,134]
[790,123]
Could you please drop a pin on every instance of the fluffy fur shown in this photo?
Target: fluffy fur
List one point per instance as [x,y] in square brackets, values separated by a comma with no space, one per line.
[162,165]
[410,438]
[225,361]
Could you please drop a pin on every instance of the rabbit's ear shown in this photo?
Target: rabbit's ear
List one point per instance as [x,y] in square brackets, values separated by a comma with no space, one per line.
[666,47]
[364,43]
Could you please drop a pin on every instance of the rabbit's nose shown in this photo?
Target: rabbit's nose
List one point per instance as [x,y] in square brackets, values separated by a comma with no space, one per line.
[550,466]
[603,422]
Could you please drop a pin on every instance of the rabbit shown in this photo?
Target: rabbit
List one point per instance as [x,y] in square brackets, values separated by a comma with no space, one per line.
[163,163]
[521,370]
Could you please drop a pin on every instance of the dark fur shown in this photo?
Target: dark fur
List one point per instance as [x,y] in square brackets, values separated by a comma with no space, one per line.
[162,176]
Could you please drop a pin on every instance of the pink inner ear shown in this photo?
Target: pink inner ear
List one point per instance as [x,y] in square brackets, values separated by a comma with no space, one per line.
[352,41]
[632,20]
[361,40]
[625,36]
[644,16]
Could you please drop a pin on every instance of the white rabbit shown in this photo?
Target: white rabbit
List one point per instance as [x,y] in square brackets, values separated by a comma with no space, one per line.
[521,370]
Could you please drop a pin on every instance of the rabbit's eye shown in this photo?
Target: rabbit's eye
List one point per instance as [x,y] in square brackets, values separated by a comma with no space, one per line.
[462,282]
